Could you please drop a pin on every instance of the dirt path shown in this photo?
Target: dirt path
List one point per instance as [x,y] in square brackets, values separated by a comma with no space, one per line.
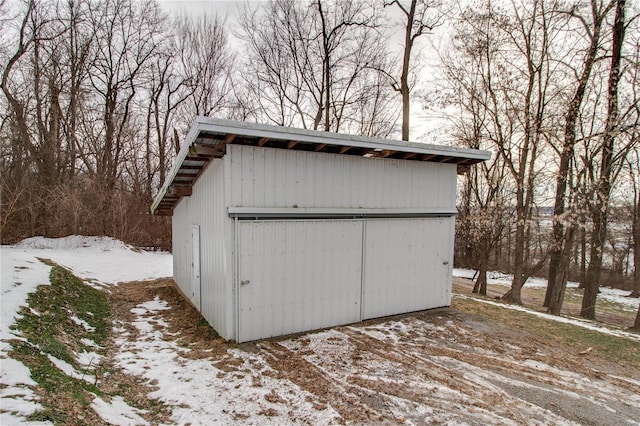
[430,367]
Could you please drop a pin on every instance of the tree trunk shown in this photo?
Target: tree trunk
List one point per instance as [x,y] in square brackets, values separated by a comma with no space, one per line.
[326,70]
[558,290]
[566,155]
[483,263]
[514,295]
[636,247]
[599,212]
[482,279]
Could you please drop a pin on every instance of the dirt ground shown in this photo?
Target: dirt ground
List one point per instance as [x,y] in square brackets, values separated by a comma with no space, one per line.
[433,367]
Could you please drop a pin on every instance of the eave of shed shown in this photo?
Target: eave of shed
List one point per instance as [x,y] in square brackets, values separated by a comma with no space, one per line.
[208,138]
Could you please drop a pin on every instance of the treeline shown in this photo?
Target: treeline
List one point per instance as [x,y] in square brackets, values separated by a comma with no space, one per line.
[97,96]
[552,88]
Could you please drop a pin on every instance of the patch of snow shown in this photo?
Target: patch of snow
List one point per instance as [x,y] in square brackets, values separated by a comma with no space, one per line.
[68,369]
[91,258]
[82,323]
[590,325]
[21,273]
[379,333]
[382,374]
[200,393]
[88,359]
[17,395]
[72,242]
[152,306]
[621,297]
[627,379]
[500,278]
[94,259]
[118,412]
[90,343]
[10,419]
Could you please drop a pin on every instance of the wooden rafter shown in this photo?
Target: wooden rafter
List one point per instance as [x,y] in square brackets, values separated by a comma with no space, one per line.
[408,155]
[206,150]
[181,191]
[186,175]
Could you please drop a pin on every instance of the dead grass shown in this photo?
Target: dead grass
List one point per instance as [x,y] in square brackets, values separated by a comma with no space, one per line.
[573,345]
[395,368]
[533,297]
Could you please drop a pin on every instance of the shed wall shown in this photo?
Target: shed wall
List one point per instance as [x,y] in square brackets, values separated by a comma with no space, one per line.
[267,177]
[407,265]
[298,275]
[206,208]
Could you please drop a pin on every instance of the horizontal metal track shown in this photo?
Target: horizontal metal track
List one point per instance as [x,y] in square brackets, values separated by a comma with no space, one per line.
[249,213]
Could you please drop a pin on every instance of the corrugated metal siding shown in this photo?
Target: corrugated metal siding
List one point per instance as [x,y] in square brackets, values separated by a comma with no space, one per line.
[308,274]
[407,265]
[298,275]
[267,177]
[181,246]
[206,208]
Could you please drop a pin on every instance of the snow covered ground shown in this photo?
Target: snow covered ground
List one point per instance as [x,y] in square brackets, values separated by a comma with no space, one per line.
[315,378]
[200,390]
[97,260]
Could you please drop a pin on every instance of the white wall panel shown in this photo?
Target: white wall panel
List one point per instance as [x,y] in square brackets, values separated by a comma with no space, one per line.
[181,246]
[206,208]
[298,275]
[267,177]
[407,265]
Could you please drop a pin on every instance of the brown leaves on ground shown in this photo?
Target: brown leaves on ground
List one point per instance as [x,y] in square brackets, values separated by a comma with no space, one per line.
[433,366]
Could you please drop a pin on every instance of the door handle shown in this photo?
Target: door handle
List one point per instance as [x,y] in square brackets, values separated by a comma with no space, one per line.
[446,262]
[243,282]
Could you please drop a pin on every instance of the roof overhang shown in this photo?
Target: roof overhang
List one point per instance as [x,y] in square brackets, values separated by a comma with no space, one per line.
[208,137]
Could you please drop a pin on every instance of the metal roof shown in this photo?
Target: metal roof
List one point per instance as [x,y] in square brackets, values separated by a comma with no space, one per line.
[208,137]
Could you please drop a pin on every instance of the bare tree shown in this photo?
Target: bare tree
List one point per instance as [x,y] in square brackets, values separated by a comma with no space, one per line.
[482,211]
[592,27]
[636,241]
[599,209]
[420,18]
[205,64]
[514,45]
[127,39]
[313,64]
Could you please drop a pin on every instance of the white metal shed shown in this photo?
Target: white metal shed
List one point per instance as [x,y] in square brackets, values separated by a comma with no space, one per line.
[280,230]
